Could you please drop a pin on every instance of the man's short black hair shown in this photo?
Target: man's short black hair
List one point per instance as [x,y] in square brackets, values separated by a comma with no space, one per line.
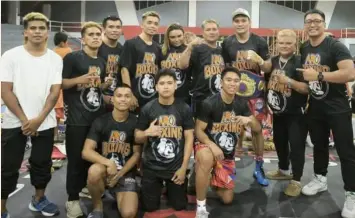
[165,72]
[229,69]
[315,11]
[111,17]
[123,85]
[60,37]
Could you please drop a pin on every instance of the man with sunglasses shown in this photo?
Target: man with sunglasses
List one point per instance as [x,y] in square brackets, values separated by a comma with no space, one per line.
[328,66]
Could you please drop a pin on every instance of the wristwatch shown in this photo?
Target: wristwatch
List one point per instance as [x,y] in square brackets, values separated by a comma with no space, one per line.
[320,76]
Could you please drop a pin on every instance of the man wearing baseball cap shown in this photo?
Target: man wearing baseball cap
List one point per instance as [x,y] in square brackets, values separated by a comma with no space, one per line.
[236,50]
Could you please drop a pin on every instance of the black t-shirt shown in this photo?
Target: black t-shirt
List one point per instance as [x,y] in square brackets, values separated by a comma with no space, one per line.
[142,62]
[280,98]
[165,153]
[222,128]
[115,140]
[326,97]
[235,54]
[206,65]
[169,61]
[83,102]
[112,57]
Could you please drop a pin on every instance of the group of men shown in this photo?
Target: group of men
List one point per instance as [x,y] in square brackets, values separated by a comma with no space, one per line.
[122,101]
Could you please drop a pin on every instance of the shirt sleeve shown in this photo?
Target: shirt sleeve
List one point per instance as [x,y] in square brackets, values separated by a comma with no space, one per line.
[206,112]
[95,131]
[126,58]
[225,55]
[57,79]
[143,121]
[193,57]
[263,49]
[68,66]
[340,52]
[188,119]
[6,68]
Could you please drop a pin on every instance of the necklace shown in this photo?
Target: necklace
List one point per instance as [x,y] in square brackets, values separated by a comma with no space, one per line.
[283,62]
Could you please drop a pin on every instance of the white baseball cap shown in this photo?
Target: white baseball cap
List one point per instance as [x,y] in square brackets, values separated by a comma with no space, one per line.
[240,11]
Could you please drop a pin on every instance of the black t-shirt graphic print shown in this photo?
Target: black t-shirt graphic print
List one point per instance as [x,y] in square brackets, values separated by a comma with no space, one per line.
[166,152]
[112,57]
[206,65]
[235,54]
[142,61]
[115,140]
[220,117]
[169,61]
[326,97]
[280,98]
[83,102]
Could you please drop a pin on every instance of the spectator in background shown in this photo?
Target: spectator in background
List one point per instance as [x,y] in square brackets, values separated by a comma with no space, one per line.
[62,49]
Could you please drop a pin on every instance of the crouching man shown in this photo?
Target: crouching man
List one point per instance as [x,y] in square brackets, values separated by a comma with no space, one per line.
[218,128]
[111,148]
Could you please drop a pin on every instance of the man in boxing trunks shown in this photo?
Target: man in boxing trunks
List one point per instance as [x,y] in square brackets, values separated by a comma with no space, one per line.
[218,127]
[204,59]
[235,50]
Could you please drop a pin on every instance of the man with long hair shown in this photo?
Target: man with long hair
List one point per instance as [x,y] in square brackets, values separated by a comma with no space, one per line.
[171,52]
[29,112]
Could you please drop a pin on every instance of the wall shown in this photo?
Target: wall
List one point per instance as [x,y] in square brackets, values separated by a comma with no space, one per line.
[67,11]
[106,8]
[171,12]
[276,16]
[343,15]
[208,10]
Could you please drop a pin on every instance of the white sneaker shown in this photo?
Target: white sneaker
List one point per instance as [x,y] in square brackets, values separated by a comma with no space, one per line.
[73,209]
[202,213]
[318,184]
[85,193]
[349,205]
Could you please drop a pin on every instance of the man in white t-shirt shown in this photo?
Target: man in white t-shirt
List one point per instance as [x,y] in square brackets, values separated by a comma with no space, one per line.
[31,77]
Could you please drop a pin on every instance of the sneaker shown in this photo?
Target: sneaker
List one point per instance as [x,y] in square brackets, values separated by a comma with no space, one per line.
[44,206]
[202,213]
[96,214]
[259,174]
[85,193]
[278,175]
[349,205]
[5,215]
[73,209]
[318,184]
[293,189]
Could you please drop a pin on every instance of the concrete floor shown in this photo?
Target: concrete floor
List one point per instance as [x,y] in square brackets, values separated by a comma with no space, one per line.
[251,200]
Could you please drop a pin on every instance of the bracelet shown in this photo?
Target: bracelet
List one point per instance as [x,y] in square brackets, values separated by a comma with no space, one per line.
[289,83]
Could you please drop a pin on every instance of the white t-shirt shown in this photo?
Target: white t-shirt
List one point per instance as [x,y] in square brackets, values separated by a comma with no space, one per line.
[32,78]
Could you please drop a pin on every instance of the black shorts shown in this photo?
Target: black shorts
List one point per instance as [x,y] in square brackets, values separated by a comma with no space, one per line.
[152,184]
[126,183]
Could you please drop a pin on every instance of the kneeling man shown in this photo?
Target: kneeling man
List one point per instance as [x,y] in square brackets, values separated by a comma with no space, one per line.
[110,146]
[218,127]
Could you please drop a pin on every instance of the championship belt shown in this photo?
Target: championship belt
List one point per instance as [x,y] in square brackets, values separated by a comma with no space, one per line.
[251,85]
